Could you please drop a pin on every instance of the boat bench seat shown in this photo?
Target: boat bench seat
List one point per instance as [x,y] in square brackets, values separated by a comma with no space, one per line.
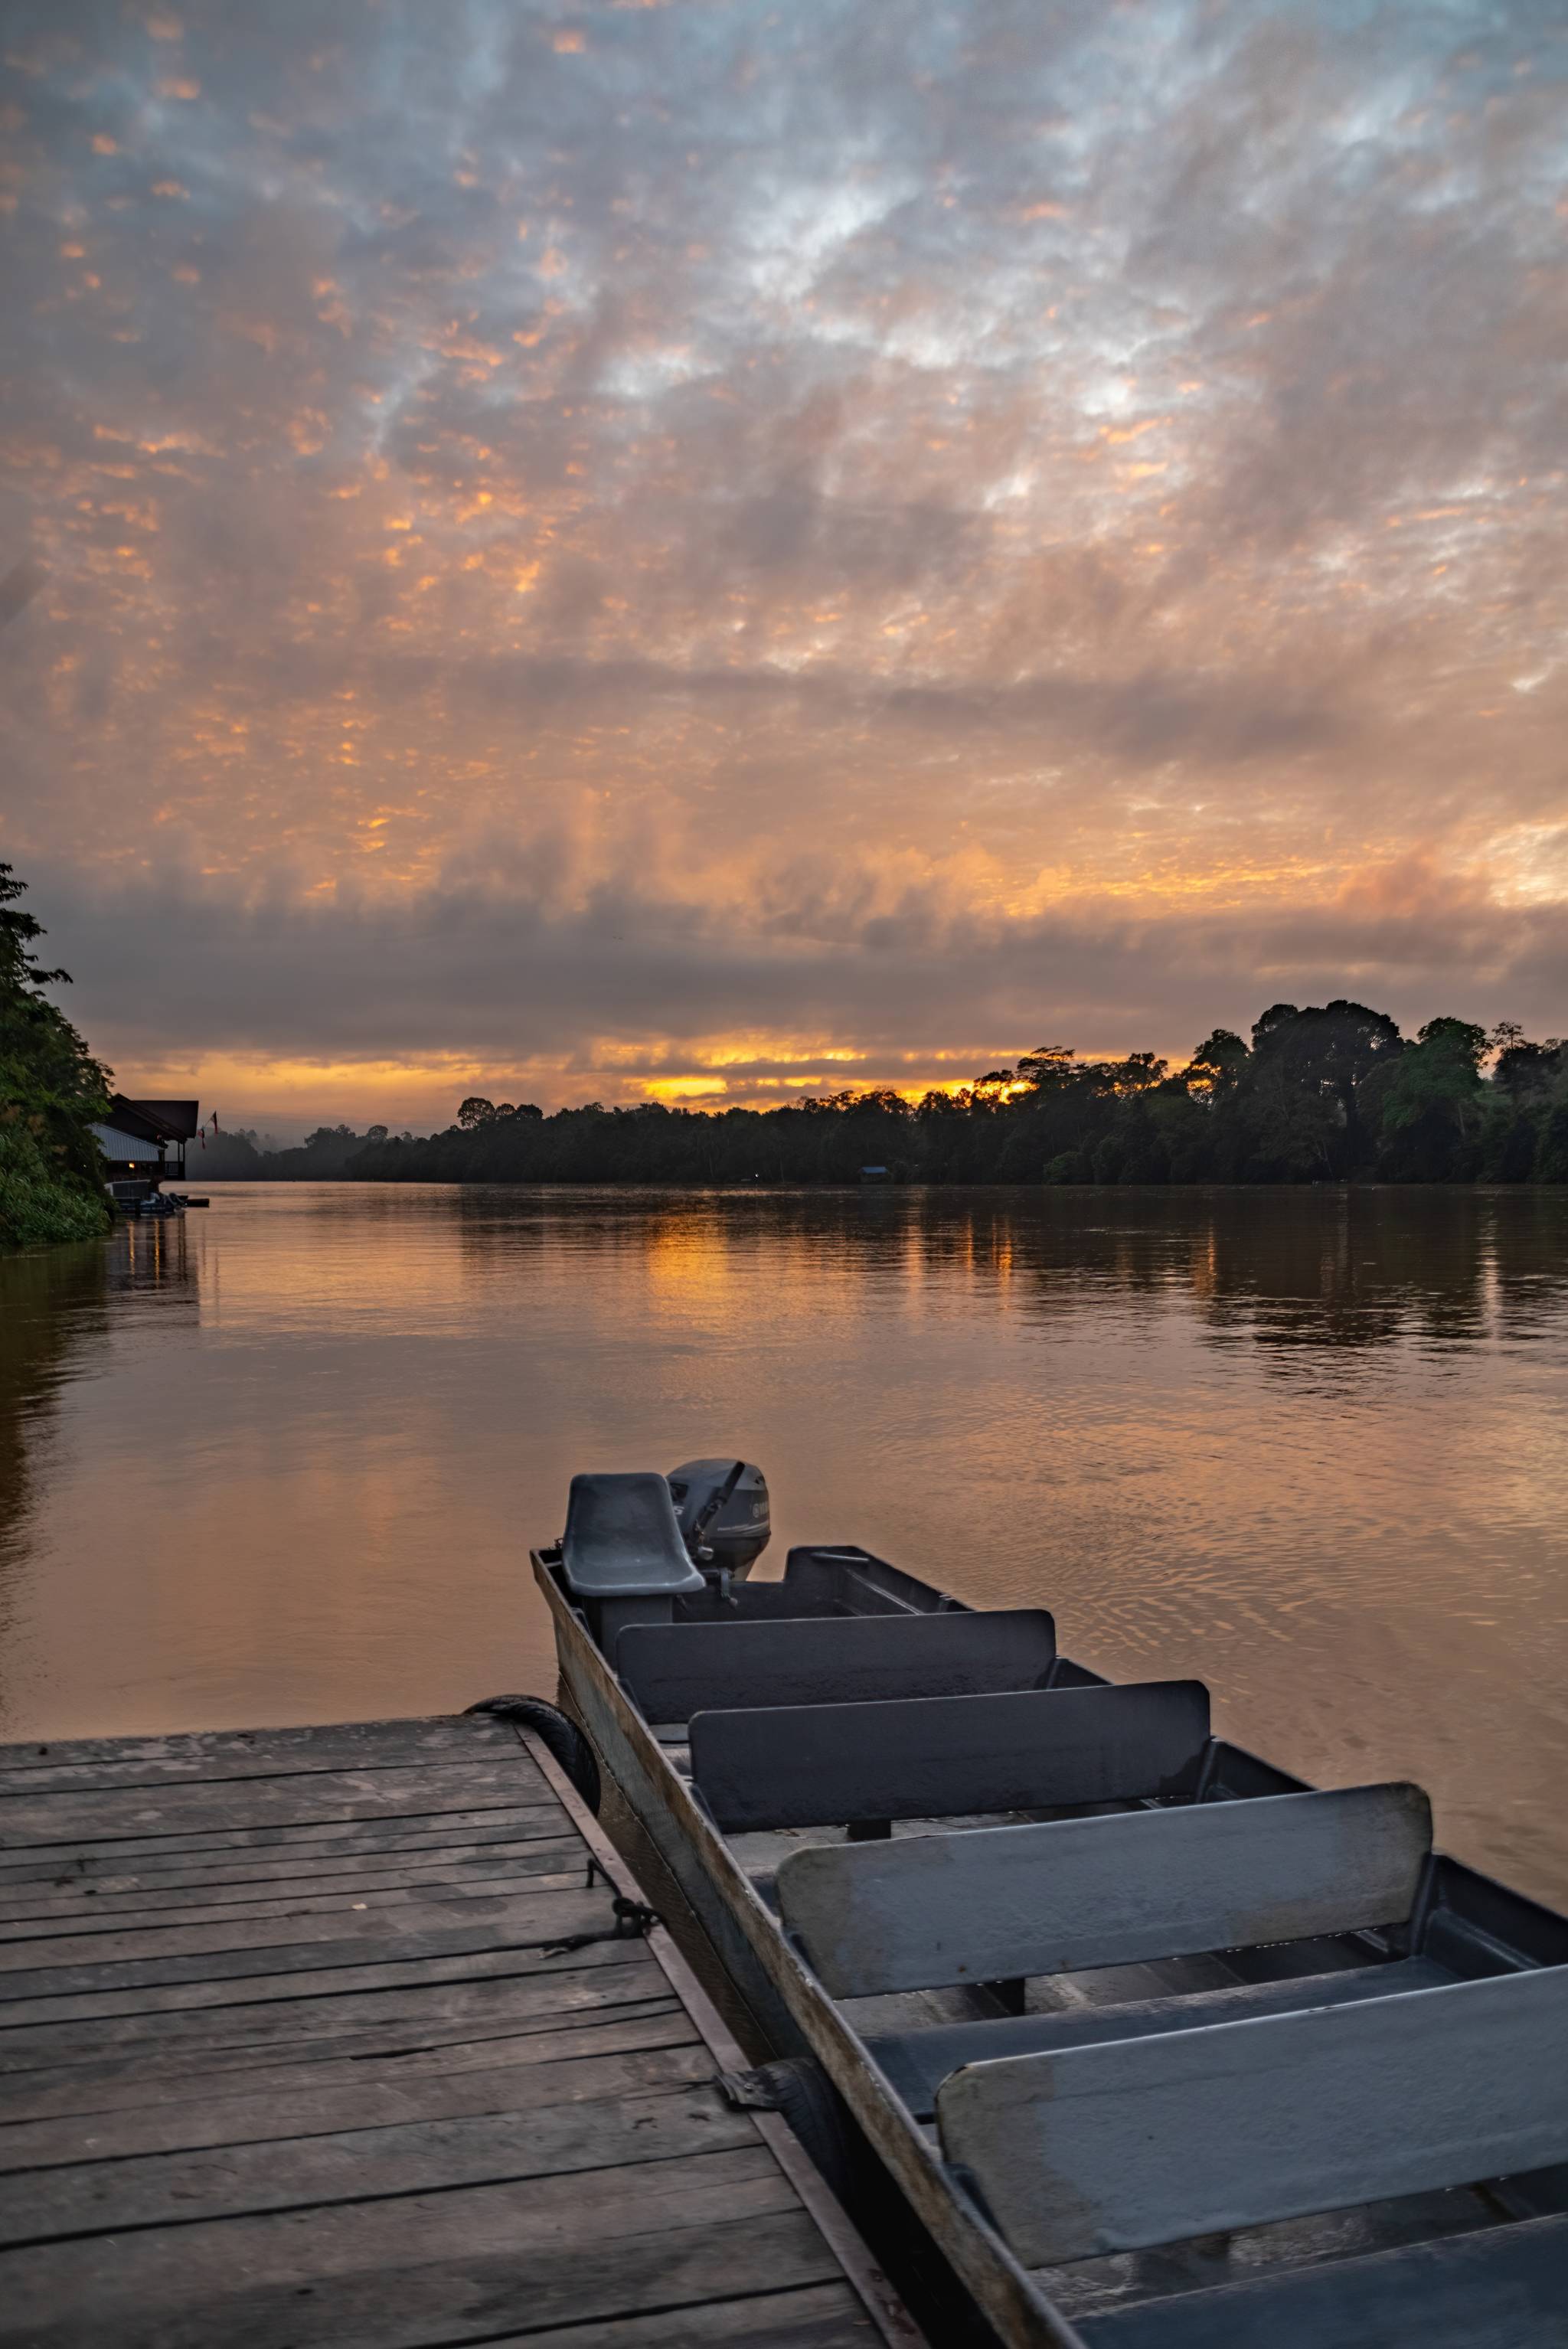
[675,1670]
[1060,1895]
[917,2062]
[1137,2142]
[939,1756]
[1498,2288]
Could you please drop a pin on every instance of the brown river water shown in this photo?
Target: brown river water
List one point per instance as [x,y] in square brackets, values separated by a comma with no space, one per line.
[284,1462]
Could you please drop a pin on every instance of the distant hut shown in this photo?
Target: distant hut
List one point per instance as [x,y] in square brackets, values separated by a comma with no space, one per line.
[143,1144]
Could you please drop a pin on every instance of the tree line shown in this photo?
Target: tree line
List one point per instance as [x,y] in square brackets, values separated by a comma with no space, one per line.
[51,1089]
[1324,1094]
[240,1153]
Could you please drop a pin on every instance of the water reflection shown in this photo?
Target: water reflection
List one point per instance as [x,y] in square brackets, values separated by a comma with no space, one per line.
[154,1257]
[51,1309]
[284,1461]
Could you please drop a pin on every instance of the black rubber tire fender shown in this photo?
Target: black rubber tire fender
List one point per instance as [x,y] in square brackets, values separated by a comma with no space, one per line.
[559,1732]
[802,2094]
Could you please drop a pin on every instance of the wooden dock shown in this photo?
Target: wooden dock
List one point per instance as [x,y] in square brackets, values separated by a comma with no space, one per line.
[327,2037]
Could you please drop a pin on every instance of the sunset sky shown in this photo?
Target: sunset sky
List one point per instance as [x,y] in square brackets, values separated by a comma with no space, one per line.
[710,550]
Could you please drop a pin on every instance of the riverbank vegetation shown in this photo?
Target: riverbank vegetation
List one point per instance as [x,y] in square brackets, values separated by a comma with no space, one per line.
[51,1089]
[241,1155]
[1325,1094]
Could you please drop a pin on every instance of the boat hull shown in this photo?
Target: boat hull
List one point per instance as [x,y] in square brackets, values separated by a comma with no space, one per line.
[791,2013]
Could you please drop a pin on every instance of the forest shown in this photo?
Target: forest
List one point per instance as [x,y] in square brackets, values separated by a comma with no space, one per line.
[51,1089]
[1327,1093]
[241,1155]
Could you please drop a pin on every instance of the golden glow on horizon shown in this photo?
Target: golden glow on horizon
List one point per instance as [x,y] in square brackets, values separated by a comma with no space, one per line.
[424,1093]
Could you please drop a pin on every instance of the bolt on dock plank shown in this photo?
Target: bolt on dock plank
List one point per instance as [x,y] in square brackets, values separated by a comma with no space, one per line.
[315,2036]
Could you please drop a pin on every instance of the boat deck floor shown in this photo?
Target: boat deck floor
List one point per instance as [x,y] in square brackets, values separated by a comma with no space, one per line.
[326,2036]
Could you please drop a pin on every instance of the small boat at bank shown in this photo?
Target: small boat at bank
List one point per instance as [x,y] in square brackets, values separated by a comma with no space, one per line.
[1162,2047]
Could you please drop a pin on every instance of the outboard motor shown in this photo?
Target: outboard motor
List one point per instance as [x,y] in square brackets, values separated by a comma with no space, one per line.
[721,1507]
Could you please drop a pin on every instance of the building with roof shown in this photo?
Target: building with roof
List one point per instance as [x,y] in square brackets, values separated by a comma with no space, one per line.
[143,1143]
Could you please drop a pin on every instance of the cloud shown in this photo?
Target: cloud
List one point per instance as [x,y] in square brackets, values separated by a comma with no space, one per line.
[19,586]
[827,984]
[883,529]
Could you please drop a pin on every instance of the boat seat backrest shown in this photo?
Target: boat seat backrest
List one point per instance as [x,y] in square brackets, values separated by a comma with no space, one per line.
[990,1903]
[622,1539]
[1490,2288]
[935,1757]
[673,1671]
[917,2062]
[1138,2142]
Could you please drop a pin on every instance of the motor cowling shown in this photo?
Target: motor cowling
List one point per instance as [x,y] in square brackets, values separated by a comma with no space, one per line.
[721,1506]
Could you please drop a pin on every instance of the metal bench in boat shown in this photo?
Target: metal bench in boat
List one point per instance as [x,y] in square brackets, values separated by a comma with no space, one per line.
[1491,2288]
[930,1757]
[1071,2152]
[1082,1893]
[1064,1894]
[675,1670]
[916,2062]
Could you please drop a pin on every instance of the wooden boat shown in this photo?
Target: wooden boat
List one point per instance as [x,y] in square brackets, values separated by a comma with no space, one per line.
[1123,2010]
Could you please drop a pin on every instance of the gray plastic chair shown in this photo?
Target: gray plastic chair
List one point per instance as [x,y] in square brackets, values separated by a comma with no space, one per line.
[622,1554]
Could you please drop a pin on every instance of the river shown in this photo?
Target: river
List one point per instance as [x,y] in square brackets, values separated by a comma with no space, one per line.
[284,1462]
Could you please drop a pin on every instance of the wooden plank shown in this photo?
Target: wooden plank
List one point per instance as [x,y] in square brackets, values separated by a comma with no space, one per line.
[89,1924]
[302,1798]
[140,2012]
[608,2009]
[223,1953]
[1499,2288]
[429,1734]
[219,1845]
[64,1963]
[994,1902]
[157,1778]
[214,1874]
[673,2122]
[675,1670]
[137,2085]
[1144,2141]
[324,2100]
[215,1761]
[917,2062]
[825,2316]
[494,1982]
[181,1859]
[930,1757]
[32,1913]
[418,2270]
[303,1910]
